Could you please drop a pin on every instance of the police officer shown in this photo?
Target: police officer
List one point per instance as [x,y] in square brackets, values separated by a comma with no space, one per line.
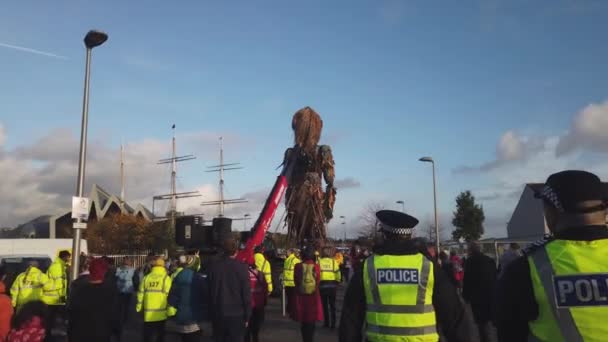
[28,285]
[400,294]
[330,278]
[558,291]
[152,300]
[288,277]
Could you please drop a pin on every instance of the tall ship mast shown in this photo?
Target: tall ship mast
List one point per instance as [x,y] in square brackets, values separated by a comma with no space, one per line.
[221,168]
[173,196]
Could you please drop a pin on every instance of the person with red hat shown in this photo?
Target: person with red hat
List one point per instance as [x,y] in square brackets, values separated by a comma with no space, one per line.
[93,310]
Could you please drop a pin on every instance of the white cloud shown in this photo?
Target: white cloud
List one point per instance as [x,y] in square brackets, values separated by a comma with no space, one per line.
[510,147]
[347,183]
[39,178]
[589,130]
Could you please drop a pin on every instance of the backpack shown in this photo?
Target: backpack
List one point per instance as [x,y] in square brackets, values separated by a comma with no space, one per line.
[309,282]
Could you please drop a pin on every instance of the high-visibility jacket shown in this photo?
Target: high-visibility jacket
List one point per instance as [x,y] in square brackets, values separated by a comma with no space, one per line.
[570,282]
[152,295]
[264,266]
[288,267]
[55,290]
[27,287]
[399,297]
[330,270]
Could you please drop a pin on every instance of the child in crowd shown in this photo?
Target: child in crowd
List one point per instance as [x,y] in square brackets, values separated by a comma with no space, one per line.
[29,323]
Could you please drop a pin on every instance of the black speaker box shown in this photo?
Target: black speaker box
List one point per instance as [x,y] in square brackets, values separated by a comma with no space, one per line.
[222,229]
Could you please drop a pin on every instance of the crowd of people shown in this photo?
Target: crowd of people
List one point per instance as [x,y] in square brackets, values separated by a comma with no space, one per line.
[401,290]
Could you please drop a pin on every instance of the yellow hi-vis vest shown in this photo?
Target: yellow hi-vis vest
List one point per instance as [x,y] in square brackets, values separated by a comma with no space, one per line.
[152,295]
[264,266]
[27,287]
[289,266]
[330,270]
[55,291]
[399,296]
[570,282]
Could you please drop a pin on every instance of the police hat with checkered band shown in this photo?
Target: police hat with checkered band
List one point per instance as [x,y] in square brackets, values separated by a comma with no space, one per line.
[572,191]
[396,222]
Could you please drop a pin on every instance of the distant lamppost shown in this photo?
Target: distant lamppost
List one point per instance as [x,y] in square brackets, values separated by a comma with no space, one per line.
[245,218]
[344,227]
[430,160]
[402,205]
[91,40]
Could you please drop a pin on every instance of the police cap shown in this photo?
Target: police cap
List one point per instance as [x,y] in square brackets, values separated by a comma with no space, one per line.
[570,192]
[396,222]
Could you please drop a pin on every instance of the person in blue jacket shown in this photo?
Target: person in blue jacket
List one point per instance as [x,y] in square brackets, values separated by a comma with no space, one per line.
[187,302]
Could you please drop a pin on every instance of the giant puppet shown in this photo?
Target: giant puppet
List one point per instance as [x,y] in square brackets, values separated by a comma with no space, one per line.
[309,206]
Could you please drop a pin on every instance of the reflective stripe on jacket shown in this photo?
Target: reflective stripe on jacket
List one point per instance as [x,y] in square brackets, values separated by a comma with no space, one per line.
[55,290]
[27,287]
[264,266]
[152,295]
[399,297]
[570,282]
[290,264]
[330,270]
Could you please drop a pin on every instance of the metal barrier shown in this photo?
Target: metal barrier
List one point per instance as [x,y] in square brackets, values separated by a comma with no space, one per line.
[137,260]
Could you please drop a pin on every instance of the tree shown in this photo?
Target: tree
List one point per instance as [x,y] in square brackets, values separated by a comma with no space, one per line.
[126,233]
[468,218]
[369,221]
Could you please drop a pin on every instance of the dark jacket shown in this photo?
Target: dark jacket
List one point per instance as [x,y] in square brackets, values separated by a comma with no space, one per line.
[479,285]
[515,303]
[452,319]
[229,289]
[186,296]
[448,270]
[93,313]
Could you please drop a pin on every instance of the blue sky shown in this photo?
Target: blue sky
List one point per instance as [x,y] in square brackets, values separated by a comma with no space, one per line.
[393,81]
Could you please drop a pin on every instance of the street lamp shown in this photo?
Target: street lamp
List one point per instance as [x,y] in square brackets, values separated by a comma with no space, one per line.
[91,40]
[344,227]
[430,160]
[402,205]
[245,218]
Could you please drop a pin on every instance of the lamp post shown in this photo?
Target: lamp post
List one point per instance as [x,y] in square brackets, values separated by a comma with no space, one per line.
[344,228]
[92,39]
[430,160]
[402,205]
[245,218]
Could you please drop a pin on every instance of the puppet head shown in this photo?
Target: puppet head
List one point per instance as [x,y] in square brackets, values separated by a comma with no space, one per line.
[307,126]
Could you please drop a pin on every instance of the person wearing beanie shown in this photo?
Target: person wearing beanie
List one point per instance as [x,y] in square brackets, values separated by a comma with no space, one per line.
[93,308]
[557,291]
[152,300]
[186,301]
[400,294]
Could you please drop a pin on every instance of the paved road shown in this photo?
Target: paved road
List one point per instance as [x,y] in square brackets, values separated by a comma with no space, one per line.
[276,328]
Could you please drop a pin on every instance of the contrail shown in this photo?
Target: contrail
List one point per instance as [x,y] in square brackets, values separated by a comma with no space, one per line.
[34,51]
